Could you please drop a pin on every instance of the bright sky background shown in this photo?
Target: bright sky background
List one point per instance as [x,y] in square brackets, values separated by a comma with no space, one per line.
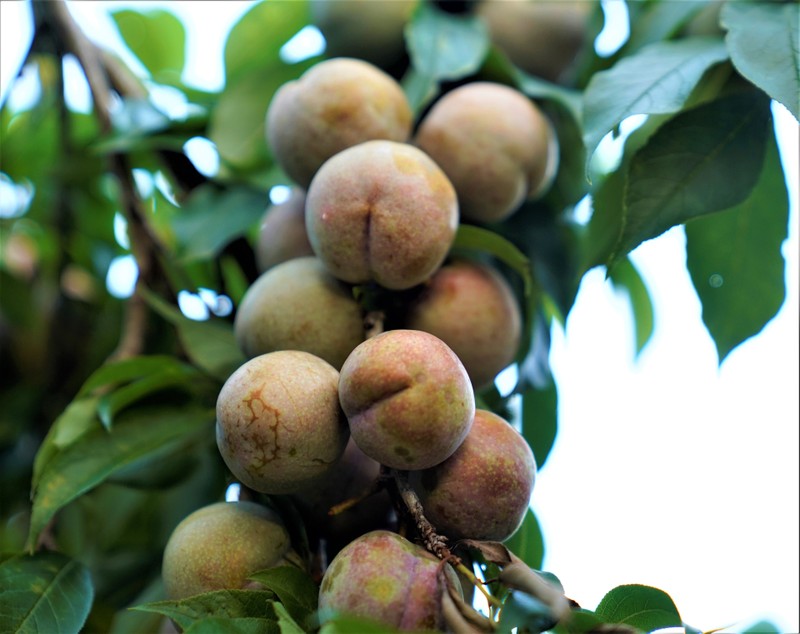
[668,470]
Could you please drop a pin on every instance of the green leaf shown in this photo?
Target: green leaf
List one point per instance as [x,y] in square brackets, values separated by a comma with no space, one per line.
[128,370]
[156,37]
[286,623]
[345,624]
[640,606]
[293,587]
[239,625]
[446,46]
[655,21]
[419,89]
[656,80]
[82,466]
[626,278]
[211,345]
[526,613]
[764,44]
[46,592]
[762,627]
[471,238]
[528,543]
[256,39]
[230,604]
[682,173]
[540,420]
[735,261]
[212,217]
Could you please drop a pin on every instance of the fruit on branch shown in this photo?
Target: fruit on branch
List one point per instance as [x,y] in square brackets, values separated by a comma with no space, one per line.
[298,305]
[483,490]
[334,105]
[381,211]
[472,309]
[371,30]
[219,546]
[408,399]
[494,144]
[279,424]
[542,37]
[282,234]
[384,577]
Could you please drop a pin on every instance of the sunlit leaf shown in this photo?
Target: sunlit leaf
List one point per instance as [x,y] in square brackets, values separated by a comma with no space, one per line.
[156,37]
[735,259]
[640,606]
[45,592]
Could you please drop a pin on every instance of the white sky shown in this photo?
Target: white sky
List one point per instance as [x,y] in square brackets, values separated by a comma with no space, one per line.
[667,471]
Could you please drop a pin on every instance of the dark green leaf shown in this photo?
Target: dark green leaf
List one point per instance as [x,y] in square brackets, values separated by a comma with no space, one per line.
[84,465]
[212,217]
[156,37]
[639,606]
[255,41]
[345,624]
[540,420]
[239,625]
[528,543]
[446,46]
[46,592]
[764,44]
[656,80]
[735,260]
[230,604]
[286,623]
[128,370]
[682,173]
[655,21]
[762,627]
[526,613]
[295,589]
[626,278]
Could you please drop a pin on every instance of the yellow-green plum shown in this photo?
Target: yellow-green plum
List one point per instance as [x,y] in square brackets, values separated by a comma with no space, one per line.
[542,37]
[334,105]
[407,398]
[371,30]
[472,309]
[384,577]
[279,423]
[483,490]
[381,211]
[282,234]
[298,305]
[219,546]
[494,144]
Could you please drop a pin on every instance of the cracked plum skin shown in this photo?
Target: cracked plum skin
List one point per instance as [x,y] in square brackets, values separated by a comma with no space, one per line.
[334,105]
[384,577]
[381,211]
[279,423]
[407,398]
[483,490]
[219,546]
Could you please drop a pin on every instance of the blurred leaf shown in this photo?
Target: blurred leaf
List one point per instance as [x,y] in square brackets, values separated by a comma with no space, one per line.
[640,606]
[420,89]
[82,466]
[156,37]
[762,627]
[212,216]
[735,260]
[764,44]
[135,119]
[230,604]
[626,278]
[286,623]
[445,46]
[681,173]
[540,420]
[526,613]
[235,281]
[255,41]
[237,625]
[45,592]
[293,587]
[657,79]
[538,88]
[210,344]
[655,21]
[345,624]
[528,543]
[127,370]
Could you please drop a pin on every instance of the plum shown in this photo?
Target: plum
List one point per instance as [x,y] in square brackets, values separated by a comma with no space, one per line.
[282,234]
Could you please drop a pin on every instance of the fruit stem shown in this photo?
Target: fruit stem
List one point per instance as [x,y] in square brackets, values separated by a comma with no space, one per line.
[492,600]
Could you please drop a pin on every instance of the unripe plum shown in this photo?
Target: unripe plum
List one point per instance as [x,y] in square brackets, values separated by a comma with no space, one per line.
[483,490]
[298,305]
[408,399]
[279,424]
[384,577]
[495,146]
[219,546]
[282,234]
[334,105]
[472,309]
[381,211]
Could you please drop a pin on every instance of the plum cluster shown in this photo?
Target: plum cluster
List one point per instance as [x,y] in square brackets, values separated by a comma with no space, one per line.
[337,393]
